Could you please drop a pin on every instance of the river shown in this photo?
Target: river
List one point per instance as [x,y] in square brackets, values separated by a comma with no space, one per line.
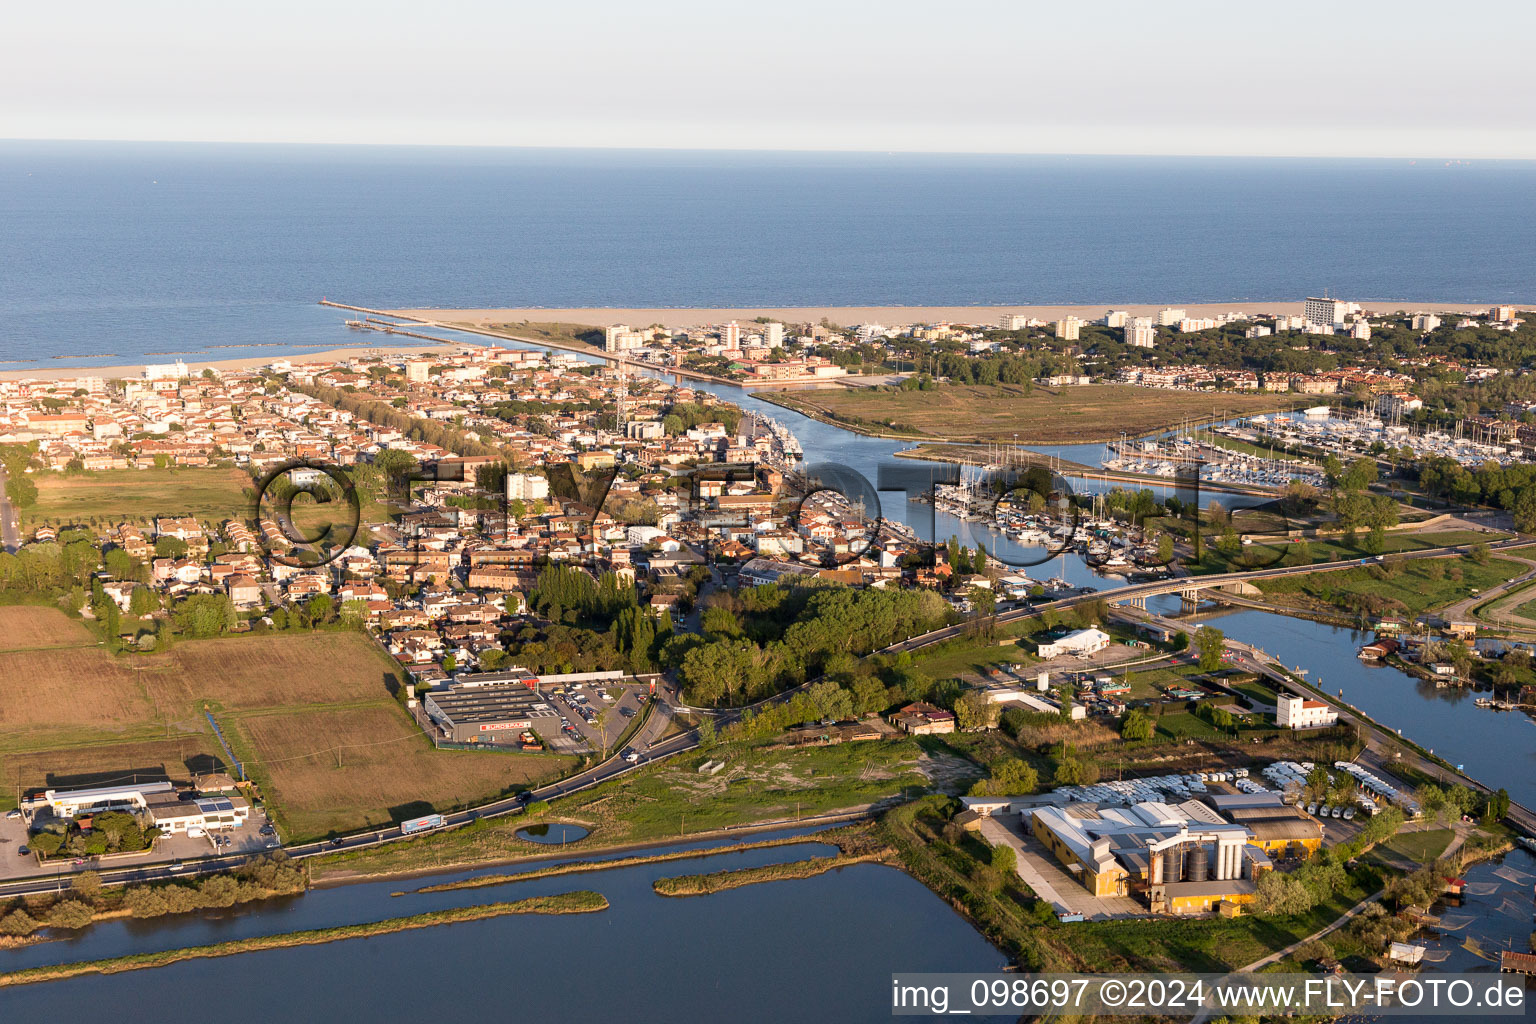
[822,948]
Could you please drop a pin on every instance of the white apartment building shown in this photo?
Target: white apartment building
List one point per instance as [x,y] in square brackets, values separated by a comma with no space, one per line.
[1257,331]
[1139,332]
[619,338]
[1168,316]
[526,487]
[1293,712]
[1014,321]
[418,370]
[1360,330]
[730,335]
[1425,322]
[773,335]
[1068,328]
[1327,311]
[1116,318]
[1189,325]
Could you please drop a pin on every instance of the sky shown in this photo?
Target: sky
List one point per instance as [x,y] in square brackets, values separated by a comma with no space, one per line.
[1339,78]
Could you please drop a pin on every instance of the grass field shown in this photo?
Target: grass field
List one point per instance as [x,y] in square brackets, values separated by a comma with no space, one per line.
[313,715]
[672,800]
[1332,549]
[138,494]
[1075,415]
[1414,586]
[577,335]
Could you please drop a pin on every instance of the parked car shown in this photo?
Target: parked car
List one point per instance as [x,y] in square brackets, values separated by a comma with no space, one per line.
[22,851]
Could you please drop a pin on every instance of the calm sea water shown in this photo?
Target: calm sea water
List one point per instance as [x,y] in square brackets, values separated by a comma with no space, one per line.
[125,251]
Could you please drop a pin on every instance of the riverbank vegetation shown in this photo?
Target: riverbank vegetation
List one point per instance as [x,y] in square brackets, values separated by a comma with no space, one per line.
[87,901]
[735,878]
[583,866]
[581,902]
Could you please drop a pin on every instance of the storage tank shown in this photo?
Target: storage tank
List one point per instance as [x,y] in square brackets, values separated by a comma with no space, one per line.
[1198,866]
[1173,868]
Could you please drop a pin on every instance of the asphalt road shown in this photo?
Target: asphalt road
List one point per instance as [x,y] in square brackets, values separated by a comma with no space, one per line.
[10,526]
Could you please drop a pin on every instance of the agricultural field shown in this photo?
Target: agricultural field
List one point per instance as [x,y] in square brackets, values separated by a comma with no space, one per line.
[314,714]
[1075,415]
[29,627]
[341,769]
[139,494]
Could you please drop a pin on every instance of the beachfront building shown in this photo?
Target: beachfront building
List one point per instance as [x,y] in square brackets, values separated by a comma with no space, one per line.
[1168,316]
[1115,318]
[773,335]
[1327,312]
[1067,328]
[1015,321]
[1425,322]
[1139,332]
[1293,712]
[730,335]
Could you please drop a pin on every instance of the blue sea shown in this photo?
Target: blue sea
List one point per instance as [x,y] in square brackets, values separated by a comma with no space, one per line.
[125,252]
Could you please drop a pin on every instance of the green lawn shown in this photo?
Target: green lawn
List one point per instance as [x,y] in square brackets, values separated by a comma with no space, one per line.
[1414,586]
[1333,549]
[1419,847]
[1185,725]
[138,494]
[973,654]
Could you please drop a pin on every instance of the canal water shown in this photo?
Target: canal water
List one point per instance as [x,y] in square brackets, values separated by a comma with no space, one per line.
[1498,748]
[822,948]
[874,458]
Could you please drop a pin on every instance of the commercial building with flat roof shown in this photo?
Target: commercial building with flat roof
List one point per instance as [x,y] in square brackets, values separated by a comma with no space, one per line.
[487,710]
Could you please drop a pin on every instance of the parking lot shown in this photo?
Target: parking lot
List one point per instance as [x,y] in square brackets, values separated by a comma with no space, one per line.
[579,724]
[14,832]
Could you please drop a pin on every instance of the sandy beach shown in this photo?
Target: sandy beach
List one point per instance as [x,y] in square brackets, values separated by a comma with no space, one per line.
[889,315]
[680,317]
[329,355]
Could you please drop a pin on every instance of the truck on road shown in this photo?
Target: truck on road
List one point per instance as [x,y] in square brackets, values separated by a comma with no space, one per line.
[426,823]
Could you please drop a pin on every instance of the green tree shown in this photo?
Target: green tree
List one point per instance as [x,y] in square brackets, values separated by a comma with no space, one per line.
[1136,725]
[1210,640]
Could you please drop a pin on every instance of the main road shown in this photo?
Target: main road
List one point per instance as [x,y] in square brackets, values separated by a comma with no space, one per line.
[10,526]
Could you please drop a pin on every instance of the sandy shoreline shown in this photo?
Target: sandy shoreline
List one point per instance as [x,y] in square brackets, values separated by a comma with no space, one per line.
[602,316]
[598,316]
[329,355]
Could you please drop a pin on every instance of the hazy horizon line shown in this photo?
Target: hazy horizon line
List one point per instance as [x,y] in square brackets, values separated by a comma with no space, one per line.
[1443,159]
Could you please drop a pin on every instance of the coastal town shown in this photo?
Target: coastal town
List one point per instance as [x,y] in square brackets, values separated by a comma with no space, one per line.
[581,562]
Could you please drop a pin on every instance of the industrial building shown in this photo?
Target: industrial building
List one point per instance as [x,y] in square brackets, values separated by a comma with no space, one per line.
[1082,643]
[1181,858]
